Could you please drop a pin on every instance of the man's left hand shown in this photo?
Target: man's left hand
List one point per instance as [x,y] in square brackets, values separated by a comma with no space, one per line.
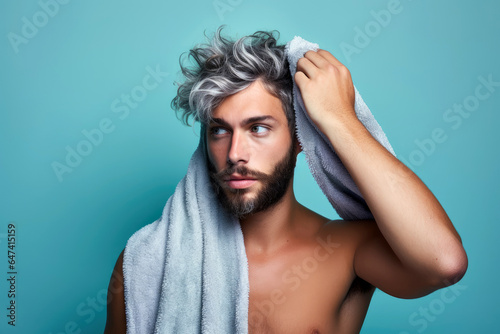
[326,88]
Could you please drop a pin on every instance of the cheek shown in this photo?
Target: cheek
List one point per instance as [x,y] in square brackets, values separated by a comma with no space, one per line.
[216,156]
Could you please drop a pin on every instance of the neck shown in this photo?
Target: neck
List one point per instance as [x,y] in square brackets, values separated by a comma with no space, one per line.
[267,231]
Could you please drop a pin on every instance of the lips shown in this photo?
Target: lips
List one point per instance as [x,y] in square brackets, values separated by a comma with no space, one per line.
[239,182]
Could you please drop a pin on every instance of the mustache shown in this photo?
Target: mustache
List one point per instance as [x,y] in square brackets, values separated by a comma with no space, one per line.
[243,171]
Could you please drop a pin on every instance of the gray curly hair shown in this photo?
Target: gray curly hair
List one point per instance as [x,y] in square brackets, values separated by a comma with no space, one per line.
[223,67]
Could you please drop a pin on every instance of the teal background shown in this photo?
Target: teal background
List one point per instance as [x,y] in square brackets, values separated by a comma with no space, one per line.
[65,78]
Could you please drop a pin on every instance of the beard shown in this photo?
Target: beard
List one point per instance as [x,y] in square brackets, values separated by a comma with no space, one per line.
[273,189]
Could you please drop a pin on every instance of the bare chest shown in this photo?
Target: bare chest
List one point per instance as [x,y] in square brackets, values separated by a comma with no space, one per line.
[298,292]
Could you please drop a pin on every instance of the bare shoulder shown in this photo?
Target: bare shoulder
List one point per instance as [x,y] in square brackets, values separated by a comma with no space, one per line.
[115,320]
[351,232]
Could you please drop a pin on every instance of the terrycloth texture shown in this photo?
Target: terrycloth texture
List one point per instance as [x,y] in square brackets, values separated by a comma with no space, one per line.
[325,165]
[188,272]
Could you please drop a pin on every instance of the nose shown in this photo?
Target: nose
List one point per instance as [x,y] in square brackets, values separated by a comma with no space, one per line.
[238,152]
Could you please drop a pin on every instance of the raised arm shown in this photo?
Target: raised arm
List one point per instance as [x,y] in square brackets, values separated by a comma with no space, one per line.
[415,249]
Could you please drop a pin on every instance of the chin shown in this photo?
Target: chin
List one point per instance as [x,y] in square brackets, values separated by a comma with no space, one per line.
[240,195]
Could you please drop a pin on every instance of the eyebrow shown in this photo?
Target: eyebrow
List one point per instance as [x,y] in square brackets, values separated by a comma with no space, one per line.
[246,121]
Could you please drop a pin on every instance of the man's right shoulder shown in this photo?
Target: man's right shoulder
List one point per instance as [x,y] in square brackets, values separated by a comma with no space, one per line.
[116,319]
[147,240]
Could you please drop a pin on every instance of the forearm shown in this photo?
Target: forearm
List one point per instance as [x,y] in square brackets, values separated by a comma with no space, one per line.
[407,213]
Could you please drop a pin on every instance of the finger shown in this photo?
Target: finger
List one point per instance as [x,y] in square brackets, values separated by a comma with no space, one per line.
[317,59]
[329,57]
[307,67]
[300,78]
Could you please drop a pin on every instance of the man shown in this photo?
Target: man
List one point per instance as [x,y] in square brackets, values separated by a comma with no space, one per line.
[307,274]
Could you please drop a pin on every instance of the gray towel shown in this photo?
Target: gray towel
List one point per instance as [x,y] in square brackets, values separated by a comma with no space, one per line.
[188,272]
[325,165]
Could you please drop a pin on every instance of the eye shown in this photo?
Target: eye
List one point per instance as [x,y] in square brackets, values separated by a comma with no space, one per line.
[217,131]
[259,129]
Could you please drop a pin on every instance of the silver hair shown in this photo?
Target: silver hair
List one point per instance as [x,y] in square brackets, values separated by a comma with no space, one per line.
[223,67]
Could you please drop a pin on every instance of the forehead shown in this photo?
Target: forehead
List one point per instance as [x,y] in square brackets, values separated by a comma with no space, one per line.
[253,101]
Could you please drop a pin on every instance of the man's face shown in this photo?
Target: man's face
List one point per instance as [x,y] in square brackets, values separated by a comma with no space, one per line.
[250,150]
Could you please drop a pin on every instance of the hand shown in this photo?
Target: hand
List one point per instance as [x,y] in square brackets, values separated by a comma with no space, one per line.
[326,88]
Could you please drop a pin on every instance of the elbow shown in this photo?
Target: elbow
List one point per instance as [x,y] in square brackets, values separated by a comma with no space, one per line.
[451,267]
[455,271]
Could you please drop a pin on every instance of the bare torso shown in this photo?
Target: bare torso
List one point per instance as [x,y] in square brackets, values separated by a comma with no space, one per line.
[306,287]
[309,285]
